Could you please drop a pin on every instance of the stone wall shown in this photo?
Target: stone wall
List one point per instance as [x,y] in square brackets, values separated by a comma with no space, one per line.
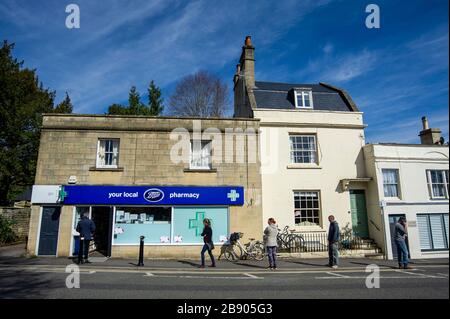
[21,219]
[69,147]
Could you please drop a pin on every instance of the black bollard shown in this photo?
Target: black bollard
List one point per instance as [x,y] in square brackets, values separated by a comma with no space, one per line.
[141,251]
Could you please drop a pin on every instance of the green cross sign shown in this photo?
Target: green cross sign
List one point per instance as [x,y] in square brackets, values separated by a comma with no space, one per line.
[233,195]
[62,194]
[197,223]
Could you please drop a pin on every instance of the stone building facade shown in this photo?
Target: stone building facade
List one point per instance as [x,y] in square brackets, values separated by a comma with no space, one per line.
[134,156]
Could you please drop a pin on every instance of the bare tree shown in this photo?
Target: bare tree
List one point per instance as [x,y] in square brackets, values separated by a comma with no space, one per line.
[199,95]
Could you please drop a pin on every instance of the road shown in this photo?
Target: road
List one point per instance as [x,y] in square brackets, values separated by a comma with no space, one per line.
[42,279]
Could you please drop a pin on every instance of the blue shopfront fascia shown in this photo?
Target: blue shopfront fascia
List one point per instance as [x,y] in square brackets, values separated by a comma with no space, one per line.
[152,195]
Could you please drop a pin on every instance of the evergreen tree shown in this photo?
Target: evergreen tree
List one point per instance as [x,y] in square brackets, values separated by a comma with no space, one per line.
[135,107]
[65,106]
[134,102]
[22,101]
[117,109]
[155,101]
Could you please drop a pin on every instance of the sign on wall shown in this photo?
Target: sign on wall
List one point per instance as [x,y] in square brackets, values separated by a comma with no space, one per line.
[152,195]
[45,194]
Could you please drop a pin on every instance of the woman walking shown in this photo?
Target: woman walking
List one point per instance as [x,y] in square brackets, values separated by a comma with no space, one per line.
[208,243]
[270,240]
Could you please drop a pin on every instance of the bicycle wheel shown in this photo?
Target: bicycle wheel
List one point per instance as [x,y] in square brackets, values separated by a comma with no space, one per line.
[296,242]
[258,251]
[233,253]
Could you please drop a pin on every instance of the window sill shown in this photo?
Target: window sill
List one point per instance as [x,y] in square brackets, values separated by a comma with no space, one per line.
[200,170]
[303,166]
[393,199]
[442,251]
[309,228]
[106,169]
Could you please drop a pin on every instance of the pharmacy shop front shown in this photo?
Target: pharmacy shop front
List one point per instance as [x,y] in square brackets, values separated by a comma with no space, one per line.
[170,218]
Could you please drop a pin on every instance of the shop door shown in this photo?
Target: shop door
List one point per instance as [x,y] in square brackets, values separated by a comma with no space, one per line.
[359,213]
[48,236]
[102,217]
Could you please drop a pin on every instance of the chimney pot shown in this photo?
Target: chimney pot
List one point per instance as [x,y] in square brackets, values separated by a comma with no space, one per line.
[425,123]
[248,41]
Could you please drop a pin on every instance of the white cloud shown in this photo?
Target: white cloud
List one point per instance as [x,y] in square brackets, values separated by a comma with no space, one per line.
[328,48]
[336,67]
[199,35]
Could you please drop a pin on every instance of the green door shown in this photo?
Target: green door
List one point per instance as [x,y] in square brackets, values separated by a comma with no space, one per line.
[359,213]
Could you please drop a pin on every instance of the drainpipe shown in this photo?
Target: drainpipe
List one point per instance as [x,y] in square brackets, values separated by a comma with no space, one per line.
[382,206]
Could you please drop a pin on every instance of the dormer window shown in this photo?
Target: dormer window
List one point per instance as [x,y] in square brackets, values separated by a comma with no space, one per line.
[303,99]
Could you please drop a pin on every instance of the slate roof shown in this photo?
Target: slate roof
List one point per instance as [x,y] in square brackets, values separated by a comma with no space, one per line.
[271,95]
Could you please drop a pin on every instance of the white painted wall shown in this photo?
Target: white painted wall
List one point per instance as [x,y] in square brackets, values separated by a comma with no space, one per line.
[412,161]
[340,137]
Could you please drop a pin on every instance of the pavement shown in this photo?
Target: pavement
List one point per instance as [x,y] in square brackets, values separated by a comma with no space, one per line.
[296,278]
[17,250]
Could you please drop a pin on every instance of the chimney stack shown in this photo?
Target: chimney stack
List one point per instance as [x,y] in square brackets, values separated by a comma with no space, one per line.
[425,123]
[429,136]
[247,61]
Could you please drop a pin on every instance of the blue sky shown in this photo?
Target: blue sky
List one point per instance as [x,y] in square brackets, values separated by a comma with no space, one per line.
[395,74]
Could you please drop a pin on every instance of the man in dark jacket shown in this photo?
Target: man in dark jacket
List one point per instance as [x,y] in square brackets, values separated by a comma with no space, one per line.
[333,243]
[86,228]
[400,237]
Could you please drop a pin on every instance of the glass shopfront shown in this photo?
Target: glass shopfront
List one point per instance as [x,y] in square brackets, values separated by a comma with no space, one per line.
[168,225]
[164,215]
[161,225]
[152,222]
[188,224]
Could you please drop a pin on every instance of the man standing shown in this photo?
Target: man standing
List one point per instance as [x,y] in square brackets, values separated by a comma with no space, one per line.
[333,243]
[86,228]
[400,242]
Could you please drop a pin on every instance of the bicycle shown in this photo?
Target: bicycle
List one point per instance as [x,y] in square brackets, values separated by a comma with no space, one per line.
[235,251]
[288,240]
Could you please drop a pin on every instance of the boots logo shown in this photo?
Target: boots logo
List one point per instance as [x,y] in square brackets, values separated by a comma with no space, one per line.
[153,195]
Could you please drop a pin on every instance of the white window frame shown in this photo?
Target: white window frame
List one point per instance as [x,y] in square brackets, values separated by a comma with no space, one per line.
[445,183]
[430,231]
[192,163]
[318,209]
[397,173]
[292,150]
[302,94]
[98,162]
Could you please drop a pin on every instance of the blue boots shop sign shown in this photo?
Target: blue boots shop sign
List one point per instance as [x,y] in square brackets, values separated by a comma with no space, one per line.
[151,195]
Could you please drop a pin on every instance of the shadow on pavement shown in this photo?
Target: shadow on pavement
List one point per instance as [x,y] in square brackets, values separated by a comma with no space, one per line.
[21,284]
[250,265]
[190,263]
[394,266]
[306,263]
